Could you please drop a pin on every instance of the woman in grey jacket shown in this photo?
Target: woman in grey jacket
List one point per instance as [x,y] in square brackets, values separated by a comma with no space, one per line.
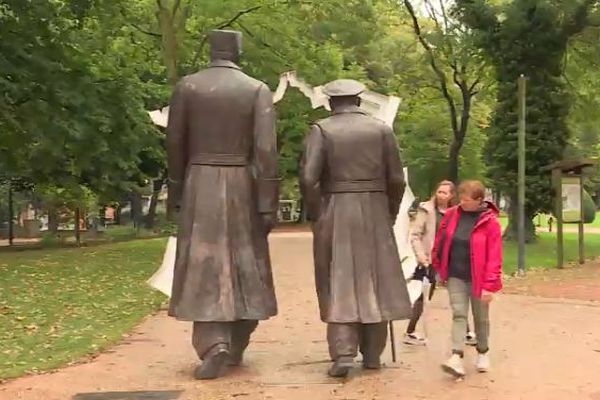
[422,235]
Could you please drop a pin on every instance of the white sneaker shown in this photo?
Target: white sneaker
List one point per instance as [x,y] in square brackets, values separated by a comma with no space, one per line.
[414,339]
[483,362]
[454,366]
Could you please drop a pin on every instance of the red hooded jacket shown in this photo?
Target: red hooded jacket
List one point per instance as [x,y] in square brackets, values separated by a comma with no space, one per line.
[486,249]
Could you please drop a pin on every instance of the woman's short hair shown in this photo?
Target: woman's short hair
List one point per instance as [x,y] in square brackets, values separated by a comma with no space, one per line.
[472,188]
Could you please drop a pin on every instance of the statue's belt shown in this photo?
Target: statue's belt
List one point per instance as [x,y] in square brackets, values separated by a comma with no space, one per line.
[220,159]
[357,186]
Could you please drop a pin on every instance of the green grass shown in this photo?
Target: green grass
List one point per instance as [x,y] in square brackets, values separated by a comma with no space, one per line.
[57,306]
[542,254]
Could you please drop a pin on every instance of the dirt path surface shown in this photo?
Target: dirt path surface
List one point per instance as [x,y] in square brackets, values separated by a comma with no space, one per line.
[573,229]
[542,348]
[572,282]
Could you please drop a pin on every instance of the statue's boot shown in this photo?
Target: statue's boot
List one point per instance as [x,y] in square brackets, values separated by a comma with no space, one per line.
[370,362]
[214,364]
[236,358]
[240,338]
[341,367]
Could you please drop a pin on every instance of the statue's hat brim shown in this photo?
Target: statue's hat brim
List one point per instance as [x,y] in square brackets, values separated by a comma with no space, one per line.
[343,88]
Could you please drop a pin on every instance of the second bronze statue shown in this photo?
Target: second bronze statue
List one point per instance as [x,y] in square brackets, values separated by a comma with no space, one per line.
[352,180]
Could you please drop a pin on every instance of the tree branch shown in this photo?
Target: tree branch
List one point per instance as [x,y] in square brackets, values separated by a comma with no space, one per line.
[473,85]
[440,74]
[230,21]
[264,44]
[222,25]
[455,78]
[446,46]
[444,15]
[432,15]
[144,31]
[176,6]
[137,27]
[465,115]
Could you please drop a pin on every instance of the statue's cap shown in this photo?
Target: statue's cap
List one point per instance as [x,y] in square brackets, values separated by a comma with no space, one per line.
[343,88]
[225,44]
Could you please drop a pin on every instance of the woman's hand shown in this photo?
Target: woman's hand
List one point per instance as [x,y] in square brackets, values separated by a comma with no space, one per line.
[487,297]
[424,261]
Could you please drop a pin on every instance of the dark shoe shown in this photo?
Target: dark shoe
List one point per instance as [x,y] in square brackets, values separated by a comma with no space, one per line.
[213,366]
[341,367]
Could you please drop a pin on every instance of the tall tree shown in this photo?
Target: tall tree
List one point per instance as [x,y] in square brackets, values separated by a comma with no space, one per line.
[73,113]
[527,37]
[458,66]
[582,74]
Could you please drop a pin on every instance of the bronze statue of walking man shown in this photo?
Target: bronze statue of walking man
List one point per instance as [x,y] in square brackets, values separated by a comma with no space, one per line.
[222,160]
[353,182]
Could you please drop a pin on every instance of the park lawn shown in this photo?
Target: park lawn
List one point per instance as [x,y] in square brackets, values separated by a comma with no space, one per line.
[57,306]
[542,254]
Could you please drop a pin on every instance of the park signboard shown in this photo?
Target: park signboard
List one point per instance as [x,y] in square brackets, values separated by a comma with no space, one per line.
[571,199]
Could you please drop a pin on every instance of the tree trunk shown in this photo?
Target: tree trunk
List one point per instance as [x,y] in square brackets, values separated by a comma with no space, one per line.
[136,208]
[118,214]
[497,197]
[302,213]
[171,20]
[511,233]
[151,217]
[11,214]
[53,221]
[453,161]
[168,28]
[102,217]
[77,227]
[460,131]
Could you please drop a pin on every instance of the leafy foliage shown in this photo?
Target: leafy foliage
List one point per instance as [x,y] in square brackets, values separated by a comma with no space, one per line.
[527,37]
[79,76]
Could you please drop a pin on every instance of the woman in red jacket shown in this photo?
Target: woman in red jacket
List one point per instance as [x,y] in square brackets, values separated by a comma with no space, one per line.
[468,256]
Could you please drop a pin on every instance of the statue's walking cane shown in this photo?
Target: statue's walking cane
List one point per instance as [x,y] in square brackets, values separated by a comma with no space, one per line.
[391,325]
[393,341]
